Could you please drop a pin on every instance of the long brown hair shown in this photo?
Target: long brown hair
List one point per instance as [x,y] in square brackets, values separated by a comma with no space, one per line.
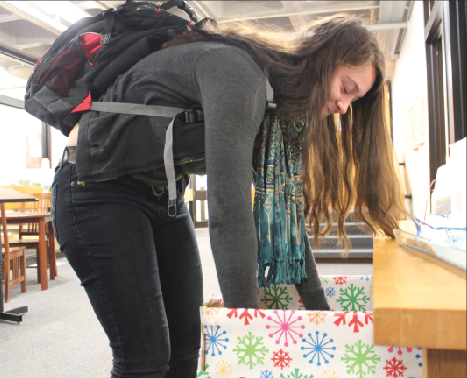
[347,159]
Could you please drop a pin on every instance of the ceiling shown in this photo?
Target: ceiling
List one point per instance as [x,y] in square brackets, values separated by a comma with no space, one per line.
[28,28]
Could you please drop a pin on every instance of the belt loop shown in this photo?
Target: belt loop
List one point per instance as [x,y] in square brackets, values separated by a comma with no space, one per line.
[65,151]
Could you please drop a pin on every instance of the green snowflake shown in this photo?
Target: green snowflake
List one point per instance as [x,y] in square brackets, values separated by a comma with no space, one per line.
[296,374]
[361,355]
[251,350]
[324,280]
[205,373]
[276,297]
[353,296]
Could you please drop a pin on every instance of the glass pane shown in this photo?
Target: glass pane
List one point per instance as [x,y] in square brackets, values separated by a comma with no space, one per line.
[20,147]
[201,182]
[58,142]
[202,211]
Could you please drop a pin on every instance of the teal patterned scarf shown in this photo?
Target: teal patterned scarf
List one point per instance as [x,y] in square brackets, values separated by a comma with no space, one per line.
[278,207]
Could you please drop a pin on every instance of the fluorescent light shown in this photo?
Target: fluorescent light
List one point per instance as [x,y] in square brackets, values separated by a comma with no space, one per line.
[25,9]
[64,9]
[9,81]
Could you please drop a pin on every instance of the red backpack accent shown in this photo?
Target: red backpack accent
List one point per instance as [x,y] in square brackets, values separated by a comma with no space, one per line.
[85,105]
[90,43]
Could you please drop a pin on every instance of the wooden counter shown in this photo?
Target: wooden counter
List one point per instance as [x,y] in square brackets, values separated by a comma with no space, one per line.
[418,302]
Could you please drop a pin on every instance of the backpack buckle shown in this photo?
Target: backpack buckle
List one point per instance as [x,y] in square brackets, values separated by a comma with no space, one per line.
[191,116]
[271,105]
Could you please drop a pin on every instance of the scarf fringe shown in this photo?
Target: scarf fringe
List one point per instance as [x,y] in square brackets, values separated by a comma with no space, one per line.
[281,273]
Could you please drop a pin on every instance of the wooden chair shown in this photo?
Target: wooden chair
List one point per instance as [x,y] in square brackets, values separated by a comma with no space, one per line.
[28,233]
[42,206]
[15,260]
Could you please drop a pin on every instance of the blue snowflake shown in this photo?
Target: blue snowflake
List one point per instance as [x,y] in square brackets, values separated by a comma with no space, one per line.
[330,292]
[318,348]
[266,374]
[417,356]
[366,278]
[214,340]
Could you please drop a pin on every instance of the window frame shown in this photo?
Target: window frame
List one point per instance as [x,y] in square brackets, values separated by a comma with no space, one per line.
[434,42]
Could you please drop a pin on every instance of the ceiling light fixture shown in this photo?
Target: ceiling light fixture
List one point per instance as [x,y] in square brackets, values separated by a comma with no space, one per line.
[62,9]
[9,81]
[27,11]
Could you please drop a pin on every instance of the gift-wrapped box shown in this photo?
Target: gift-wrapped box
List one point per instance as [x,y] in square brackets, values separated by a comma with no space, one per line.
[282,340]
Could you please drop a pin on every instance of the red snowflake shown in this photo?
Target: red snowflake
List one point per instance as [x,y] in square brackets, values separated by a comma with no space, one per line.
[399,352]
[340,280]
[245,314]
[281,359]
[354,321]
[394,368]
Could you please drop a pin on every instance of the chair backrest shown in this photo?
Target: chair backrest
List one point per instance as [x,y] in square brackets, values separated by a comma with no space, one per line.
[4,231]
[43,205]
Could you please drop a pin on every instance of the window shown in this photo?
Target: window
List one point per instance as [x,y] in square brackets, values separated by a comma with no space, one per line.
[25,144]
[199,205]
[20,147]
[455,14]
[57,145]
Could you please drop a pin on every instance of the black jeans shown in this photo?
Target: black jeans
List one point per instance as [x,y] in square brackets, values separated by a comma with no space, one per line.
[140,268]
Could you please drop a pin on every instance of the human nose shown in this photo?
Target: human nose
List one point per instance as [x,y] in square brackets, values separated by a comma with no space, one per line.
[342,106]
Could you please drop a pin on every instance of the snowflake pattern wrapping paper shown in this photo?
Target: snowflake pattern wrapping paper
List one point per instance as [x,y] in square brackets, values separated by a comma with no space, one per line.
[343,293]
[282,340]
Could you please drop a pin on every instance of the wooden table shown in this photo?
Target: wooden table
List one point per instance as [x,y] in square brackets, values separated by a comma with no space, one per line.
[418,302]
[43,219]
[10,195]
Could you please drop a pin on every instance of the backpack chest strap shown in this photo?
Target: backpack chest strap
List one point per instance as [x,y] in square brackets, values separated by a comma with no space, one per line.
[151,111]
[136,109]
[169,112]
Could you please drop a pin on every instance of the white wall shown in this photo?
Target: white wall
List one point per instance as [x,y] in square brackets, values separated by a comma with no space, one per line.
[409,83]
[15,126]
